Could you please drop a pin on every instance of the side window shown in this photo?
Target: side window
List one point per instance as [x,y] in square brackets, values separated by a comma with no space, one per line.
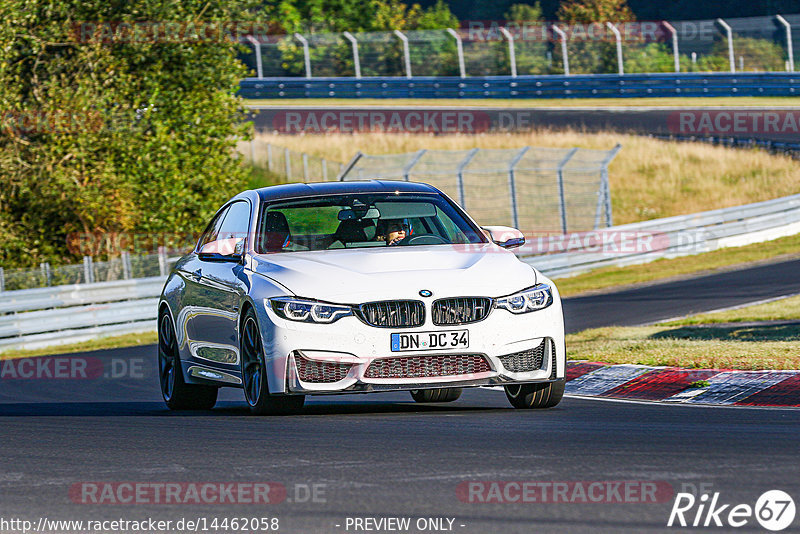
[213,229]
[237,221]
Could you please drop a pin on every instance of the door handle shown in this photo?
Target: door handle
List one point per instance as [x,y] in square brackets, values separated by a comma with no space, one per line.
[198,274]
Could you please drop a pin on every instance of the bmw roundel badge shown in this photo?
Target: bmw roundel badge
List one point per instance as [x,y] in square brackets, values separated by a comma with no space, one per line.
[425,293]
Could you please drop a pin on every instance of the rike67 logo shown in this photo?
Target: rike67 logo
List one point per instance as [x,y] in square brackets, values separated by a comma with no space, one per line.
[774,510]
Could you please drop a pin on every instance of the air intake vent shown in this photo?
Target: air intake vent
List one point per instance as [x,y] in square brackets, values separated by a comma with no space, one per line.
[428,366]
[320,372]
[460,310]
[527,360]
[393,313]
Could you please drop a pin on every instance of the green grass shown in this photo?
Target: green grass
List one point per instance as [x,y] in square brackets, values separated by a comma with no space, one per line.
[681,102]
[110,342]
[785,309]
[706,263]
[763,347]
[707,341]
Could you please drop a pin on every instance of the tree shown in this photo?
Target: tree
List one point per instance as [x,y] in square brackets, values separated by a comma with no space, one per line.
[591,45]
[107,131]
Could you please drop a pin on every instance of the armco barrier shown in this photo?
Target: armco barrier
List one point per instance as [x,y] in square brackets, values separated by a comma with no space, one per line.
[545,86]
[683,235]
[33,318]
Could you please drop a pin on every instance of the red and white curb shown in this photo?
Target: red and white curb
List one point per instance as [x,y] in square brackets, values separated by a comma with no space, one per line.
[688,386]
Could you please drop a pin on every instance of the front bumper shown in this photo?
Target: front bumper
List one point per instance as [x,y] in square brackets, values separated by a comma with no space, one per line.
[354,346]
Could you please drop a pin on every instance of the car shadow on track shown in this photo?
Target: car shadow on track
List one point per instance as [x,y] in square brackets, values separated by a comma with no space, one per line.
[228,409]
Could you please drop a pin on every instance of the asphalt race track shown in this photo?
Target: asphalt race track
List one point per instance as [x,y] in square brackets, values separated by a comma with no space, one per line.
[385,456]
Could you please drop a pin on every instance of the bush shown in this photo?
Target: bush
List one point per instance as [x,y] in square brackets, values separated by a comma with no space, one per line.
[113,134]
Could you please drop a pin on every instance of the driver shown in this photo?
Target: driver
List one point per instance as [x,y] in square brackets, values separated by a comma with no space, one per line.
[392,231]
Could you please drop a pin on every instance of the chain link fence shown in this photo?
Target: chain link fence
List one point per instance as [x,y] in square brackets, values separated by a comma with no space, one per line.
[291,165]
[530,188]
[124,267]
[752,44]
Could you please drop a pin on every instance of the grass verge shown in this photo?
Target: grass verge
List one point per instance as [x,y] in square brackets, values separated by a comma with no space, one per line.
[707,341]
[110,342]
[649,178]
[785,309]
[750,348]
[660,270]
[681,102]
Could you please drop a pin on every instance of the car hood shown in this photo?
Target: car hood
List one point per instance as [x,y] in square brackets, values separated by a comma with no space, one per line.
[361,275]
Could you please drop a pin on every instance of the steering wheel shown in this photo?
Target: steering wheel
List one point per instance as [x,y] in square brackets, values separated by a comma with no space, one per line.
[427,239]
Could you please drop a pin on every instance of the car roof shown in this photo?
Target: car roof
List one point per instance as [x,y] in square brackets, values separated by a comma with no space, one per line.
[284,191]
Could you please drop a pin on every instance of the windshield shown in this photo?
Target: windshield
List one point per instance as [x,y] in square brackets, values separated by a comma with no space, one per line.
[362,221]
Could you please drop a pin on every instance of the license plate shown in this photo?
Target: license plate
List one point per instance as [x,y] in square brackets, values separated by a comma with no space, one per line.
[449,339]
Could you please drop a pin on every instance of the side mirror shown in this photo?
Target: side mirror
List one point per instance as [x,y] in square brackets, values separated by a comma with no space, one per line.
[505,236]
[223,250]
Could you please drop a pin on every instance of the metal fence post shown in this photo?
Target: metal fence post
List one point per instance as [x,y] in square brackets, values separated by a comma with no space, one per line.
[162,260]
[286,157]
[344,170]
[125,258]
[414,159]
[2,280]
[306,54]
[675,54]
[406,52]
[356,61]
[324,170]
[48,277]
[269,156]
[729,34]
[460,46]
[512,56]
[257,46]
[562,201]
[563,38]
[789,46]
[512,186]
[605,187]
[305,167]
[460,175]
[88,270]
[618,39]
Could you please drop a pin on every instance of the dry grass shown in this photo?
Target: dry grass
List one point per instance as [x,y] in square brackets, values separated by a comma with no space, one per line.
[690,347]
[109,342]
[785,309]
[650,178]
[706,263]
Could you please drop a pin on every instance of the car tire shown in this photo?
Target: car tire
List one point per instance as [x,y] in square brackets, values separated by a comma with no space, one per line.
[177,394]
[527,396]
[436,395]
[254,375]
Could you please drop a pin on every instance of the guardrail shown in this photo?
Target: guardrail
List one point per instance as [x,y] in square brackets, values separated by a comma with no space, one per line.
[33,318]
[679,236]
[539,86]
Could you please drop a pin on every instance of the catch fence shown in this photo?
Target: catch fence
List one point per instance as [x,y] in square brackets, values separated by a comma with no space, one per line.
[531,188]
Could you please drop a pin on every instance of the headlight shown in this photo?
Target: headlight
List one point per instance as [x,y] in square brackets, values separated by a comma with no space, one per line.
[308,311]
[527,300]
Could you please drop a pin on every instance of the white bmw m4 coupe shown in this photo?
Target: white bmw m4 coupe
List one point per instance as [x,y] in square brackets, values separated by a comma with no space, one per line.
[356,287]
